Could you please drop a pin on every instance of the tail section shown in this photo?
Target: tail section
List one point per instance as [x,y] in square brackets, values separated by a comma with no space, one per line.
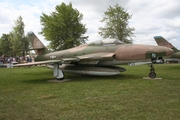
[163,42]
[37,45]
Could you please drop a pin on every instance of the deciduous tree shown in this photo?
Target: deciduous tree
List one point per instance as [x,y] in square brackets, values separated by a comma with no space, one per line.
[116,24]
[5,45]
[18,38]
[63,27]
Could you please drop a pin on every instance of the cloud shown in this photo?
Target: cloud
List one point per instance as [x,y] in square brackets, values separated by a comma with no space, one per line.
[149,18]
[152,18]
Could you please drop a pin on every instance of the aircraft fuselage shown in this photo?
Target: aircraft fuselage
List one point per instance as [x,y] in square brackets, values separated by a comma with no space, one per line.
[123,53]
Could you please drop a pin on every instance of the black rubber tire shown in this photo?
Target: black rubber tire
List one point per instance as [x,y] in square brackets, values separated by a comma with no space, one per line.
[152,75]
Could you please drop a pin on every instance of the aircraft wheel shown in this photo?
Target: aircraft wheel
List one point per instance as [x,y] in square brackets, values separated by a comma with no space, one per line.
[152,74]
[61,77]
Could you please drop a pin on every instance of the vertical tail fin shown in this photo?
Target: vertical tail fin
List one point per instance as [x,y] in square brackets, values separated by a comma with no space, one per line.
[37,45]
[163,42]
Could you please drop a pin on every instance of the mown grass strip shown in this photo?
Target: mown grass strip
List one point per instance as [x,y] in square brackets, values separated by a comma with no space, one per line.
[26,94]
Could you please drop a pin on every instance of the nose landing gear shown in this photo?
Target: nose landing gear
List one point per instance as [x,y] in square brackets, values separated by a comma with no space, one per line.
[152,73]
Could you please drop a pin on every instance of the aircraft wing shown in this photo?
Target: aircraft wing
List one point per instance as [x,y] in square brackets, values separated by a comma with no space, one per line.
[38,63]
[96,56]
[28,49]
[93,56]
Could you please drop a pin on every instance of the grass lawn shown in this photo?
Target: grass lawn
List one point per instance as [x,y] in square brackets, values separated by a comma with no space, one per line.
[25,94]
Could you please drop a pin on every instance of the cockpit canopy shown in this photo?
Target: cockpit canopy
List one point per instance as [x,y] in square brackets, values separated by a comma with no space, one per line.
[106,42]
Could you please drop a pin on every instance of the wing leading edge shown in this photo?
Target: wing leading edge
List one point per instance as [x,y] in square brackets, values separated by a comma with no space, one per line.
[38,63]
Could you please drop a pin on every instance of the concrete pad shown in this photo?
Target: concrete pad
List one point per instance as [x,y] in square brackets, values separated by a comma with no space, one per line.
[58,81]
[148,78]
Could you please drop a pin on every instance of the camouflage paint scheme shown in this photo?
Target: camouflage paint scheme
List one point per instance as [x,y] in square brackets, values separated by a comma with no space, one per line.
[96,58]
[163,42]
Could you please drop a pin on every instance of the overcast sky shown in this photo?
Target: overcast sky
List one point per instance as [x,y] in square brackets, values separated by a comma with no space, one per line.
[150,17]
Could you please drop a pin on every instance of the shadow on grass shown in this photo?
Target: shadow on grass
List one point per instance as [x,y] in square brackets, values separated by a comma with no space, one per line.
[87,78]
[42,76]
[77,78]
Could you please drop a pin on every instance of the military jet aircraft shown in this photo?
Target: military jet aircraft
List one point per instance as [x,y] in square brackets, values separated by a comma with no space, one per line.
[163,42]
[96,58]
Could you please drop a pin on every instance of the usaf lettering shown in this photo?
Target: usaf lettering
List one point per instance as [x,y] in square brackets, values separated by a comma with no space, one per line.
[52,56]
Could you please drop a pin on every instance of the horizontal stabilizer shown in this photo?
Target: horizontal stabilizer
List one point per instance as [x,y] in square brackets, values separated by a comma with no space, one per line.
[139,63]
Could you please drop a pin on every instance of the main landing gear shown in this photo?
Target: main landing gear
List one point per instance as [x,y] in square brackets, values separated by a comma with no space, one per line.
[57,72]
[152,73]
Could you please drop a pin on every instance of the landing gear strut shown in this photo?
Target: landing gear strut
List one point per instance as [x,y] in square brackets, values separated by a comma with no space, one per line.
[57,72]
[152,73]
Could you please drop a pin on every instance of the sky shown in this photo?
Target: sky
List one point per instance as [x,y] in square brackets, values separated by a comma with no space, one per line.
[149,17]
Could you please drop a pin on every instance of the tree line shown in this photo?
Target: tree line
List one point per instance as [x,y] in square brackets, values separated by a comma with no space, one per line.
[64,29]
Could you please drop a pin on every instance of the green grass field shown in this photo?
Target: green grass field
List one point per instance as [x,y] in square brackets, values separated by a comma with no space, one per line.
[25,94]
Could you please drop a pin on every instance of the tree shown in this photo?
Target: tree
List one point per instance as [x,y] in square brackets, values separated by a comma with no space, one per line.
[18,38]
[5,45]
[63,28]
[116,24]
